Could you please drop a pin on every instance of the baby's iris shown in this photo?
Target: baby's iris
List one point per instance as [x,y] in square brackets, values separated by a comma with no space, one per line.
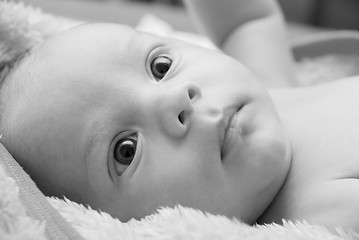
[125,150]
[160,66]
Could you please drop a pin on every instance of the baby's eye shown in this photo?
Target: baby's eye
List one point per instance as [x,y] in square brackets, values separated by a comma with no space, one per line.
[160,66]
[125,150]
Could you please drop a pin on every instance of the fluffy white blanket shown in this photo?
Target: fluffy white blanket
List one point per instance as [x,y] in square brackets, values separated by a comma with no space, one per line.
[14,221]
[185,223]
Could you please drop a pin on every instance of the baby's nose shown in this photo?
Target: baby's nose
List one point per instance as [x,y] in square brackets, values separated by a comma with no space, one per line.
[176,107]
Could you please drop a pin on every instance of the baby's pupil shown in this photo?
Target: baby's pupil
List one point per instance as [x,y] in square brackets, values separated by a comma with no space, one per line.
[162,67]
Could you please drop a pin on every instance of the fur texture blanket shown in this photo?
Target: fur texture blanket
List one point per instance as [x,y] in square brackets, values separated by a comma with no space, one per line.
[25,213]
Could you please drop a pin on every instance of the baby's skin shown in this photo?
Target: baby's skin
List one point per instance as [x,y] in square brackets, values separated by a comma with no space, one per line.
[128,122]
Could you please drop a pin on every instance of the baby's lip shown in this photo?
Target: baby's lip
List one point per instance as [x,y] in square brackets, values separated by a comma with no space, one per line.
[228,117]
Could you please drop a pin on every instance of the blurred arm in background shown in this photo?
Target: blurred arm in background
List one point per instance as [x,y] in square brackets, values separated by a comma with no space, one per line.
[252,31]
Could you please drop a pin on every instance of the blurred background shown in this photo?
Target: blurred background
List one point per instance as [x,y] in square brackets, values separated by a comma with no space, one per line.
[305,16]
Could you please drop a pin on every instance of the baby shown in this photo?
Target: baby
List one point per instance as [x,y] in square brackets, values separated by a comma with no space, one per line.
[128,122]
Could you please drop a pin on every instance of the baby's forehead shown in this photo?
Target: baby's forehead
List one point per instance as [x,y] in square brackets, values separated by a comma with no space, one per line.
[92,34]
[85,44]
[100,41]
[85,57]
[90,53]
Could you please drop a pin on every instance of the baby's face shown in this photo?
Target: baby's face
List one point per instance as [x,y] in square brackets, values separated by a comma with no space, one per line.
[128,122]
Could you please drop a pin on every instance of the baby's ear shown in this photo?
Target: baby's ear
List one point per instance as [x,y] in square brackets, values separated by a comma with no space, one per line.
[23,27]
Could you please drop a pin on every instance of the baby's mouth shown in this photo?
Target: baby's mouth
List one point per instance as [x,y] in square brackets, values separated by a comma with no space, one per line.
[229,125]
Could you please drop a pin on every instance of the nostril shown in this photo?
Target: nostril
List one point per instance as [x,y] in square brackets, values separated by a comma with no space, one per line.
[181,117]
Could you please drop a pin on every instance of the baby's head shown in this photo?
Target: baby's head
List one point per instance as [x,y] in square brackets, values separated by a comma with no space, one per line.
[128,122]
